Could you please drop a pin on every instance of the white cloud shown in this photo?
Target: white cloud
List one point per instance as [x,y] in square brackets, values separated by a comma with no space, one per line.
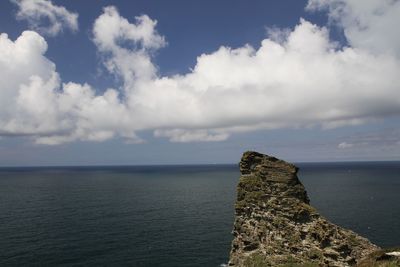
[27,78]
[185,136]
[34,102]
[45,17]
[127,47]
[297,78]
[367,24]
[345,145]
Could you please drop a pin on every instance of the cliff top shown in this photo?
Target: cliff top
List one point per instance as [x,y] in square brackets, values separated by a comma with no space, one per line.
[254,162]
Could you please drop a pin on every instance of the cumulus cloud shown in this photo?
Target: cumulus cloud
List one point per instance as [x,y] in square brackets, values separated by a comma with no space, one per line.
[127,47]
[295,78]
[45,17]
[35,103]
[367,24]
[27,79]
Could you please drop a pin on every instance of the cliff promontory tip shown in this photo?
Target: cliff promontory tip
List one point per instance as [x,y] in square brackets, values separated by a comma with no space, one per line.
[276,226]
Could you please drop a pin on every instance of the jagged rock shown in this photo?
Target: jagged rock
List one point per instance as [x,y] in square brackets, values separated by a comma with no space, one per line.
[275,225]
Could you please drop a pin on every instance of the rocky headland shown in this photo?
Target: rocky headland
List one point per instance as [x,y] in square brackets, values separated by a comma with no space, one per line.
[276,226]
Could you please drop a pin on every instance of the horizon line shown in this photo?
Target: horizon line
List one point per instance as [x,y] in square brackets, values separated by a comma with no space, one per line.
[184,164]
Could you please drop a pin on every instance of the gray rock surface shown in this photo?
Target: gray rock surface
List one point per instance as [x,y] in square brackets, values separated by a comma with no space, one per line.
[275,225]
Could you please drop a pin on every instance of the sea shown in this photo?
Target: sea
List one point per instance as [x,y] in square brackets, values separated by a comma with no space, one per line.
[169,215]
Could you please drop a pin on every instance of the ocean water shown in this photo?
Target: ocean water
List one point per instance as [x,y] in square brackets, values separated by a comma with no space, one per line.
[168,215]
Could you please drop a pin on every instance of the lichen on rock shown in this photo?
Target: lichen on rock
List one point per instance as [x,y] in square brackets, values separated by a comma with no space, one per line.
[276,226]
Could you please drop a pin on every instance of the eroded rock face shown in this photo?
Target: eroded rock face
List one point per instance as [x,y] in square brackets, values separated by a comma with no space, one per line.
[275,225]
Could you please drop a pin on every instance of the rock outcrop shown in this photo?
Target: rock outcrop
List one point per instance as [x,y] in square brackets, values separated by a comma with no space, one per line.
[275,225]
[382,258]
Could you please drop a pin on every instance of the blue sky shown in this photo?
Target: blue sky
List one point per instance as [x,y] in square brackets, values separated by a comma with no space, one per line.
[191,28]
[191,82]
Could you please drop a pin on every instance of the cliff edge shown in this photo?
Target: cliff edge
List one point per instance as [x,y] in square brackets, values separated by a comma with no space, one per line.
[275,225]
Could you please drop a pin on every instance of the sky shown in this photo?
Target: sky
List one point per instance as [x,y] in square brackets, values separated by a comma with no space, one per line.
[198,82]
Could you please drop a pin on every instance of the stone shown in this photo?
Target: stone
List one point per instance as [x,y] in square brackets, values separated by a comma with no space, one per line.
[276,226]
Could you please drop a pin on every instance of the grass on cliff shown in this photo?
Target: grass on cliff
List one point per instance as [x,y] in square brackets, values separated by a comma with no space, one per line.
[260,260]
[309,264]
[249,191]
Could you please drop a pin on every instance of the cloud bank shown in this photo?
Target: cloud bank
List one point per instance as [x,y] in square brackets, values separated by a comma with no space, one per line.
[301,79]
[45,17]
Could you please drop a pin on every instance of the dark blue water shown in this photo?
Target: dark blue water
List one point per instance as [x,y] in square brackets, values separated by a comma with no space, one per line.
[168,216]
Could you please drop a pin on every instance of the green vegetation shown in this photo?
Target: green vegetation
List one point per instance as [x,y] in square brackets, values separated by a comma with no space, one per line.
[315,254]
[248,199]
[260,260]
[249,191]
[353,240]
[256,260]
[292,262]
[250,183]
[307,264]
[302,211]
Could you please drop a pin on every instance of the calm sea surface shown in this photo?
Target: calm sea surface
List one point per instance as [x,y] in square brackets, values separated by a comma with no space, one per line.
[168,216]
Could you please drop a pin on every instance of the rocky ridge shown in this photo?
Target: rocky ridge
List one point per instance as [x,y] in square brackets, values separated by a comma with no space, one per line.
[276,226]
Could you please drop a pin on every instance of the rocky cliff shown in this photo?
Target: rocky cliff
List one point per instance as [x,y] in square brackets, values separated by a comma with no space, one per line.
[275,225]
